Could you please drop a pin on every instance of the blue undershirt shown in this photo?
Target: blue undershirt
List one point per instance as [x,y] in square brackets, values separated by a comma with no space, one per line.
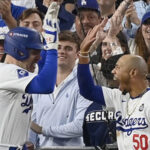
[45,81]
[86,83]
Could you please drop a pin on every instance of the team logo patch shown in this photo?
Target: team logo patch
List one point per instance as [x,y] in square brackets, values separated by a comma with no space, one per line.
[22,73]
[141,107]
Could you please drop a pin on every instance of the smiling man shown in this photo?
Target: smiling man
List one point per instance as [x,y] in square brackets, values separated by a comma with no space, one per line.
[22,47]
[17,80]
[87,16]
[130,101]
[60,117]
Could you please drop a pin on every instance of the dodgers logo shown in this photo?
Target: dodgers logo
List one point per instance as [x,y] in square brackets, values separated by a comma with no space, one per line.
[129,124]
[141,107]
[27,104]
[22,73]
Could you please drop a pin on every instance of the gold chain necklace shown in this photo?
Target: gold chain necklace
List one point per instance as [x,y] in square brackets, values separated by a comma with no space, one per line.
[137,103]
[132,111]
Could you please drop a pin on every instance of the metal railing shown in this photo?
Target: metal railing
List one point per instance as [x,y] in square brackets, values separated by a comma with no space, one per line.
[108,147]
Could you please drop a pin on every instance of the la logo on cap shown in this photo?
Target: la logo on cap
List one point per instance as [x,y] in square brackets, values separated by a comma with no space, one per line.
[83,2]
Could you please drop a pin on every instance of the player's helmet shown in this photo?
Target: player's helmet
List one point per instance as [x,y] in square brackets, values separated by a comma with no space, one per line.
[19,40]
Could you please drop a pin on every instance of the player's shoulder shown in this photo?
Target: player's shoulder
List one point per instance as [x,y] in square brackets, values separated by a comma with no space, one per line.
[146,96]
[147,92]
[113,92]
[5,68]
[11,71]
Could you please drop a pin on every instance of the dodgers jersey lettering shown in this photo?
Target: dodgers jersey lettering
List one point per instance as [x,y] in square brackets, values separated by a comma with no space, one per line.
[15,105]
[132,119]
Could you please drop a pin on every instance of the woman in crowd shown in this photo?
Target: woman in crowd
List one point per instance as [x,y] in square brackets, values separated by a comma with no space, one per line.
[141,44]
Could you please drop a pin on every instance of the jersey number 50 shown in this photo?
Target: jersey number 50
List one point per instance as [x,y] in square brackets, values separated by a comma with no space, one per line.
[140,142]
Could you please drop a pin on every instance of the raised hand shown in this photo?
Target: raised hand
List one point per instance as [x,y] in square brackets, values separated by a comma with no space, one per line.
[100,36]
[51,27]
[5,9]
[123,7]
[91,37]
[115,25]
[131,16]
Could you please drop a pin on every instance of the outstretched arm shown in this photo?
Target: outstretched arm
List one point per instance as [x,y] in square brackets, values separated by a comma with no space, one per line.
[45,81]
[85,80]
[86,83]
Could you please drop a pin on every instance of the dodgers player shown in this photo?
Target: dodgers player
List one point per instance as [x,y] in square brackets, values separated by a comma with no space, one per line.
[17,82]
[130,101]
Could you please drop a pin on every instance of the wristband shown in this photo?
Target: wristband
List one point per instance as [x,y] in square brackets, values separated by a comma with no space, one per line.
[83,56]
[81,52]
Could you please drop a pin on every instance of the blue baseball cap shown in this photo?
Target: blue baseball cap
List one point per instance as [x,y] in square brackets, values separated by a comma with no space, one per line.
[87,4]
[145,17]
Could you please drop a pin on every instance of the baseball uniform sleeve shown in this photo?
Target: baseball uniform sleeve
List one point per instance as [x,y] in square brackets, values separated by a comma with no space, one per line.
[87,87]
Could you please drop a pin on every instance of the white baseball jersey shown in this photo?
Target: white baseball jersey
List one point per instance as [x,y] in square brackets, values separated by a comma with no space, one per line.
[15,105]
[132,119]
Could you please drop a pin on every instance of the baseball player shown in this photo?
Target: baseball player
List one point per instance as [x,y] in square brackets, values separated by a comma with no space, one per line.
[17,80]
[130,101]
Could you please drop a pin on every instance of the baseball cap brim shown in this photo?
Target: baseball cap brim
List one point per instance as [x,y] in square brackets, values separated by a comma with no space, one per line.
[145,17]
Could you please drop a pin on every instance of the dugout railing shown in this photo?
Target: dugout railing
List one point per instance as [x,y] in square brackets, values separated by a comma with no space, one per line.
[108,147]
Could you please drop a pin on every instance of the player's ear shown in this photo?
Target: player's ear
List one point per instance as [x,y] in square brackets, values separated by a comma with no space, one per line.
[133,72]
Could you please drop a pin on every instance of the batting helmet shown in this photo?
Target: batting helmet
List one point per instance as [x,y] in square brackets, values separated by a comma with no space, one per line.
[19,40]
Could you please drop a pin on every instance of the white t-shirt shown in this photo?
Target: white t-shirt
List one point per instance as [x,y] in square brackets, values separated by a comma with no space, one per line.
[15,105]
[132,119]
